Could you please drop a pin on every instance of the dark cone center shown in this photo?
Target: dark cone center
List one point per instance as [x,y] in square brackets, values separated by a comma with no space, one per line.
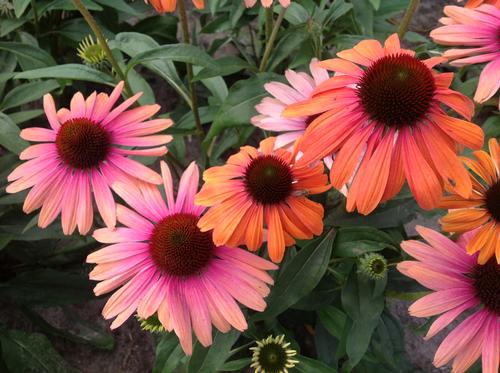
[178,246]
[268,179]
[487,284]
[493,201]
[397,90]
[82,144]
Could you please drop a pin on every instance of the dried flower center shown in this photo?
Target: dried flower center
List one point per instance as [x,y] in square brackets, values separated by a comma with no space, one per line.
[268,179]
[82,143]
[397,90]
[493,201]
[178,246]
[273,358]
[487,284]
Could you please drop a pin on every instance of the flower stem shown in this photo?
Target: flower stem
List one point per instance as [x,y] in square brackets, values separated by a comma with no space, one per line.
[272,38]
[35,15]
[269,22]
[104,44]
[405,22]
[189,69]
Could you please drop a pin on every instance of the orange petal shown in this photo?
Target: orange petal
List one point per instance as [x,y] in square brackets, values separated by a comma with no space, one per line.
[372,184]
[446,161]
[342,66]
[275,237]
[464,220]
[421,178]
[463,132]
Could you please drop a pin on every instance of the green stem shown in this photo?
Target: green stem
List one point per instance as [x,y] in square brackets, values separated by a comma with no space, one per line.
[189,69]
[405,22]
[269,22]
[104,44]
[35,15]
[272,38]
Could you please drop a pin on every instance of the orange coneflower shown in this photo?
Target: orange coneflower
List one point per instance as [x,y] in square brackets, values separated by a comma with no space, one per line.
[381,116]
[262,187]
[168,6]
[482,209]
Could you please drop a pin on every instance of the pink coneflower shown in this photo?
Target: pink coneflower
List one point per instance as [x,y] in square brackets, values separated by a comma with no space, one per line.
[164,264]
[82,154]
[459,285]
[266,3]
[476,3]
[270,108]
[478,29]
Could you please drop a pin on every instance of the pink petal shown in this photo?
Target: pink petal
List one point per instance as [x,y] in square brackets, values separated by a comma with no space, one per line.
[77,105]
[104,199]
[85,211]
[117,252]
[489,81]
[104,103]
[179,313]
[188,186]
[440,301]
[446,318]
[167,185]
[132,219]
[38,134]
[491,346]
[200,316]
[69,203]
[459,338]
[135,169]
[50,111]
[120,234]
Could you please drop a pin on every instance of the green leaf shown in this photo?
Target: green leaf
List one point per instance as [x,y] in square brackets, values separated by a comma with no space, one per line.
[133,44]
[299,276]
[209,360]
[216,85]
[10,24]
[9,135]
[363,300]
[31,353]
[236,365]
[239,105]
[375,4]
[28,92]
[333,320]
[70,71]
[308,365]
[363,12]
[352,242]
[186,53]
[287,45]
[225,66]
[20,6]
[169,354]
[296,14]
[393,213]
[5,238]
[119,5]
[491,126]
[24,116]
[47,287]
[37,56]
[79,330]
